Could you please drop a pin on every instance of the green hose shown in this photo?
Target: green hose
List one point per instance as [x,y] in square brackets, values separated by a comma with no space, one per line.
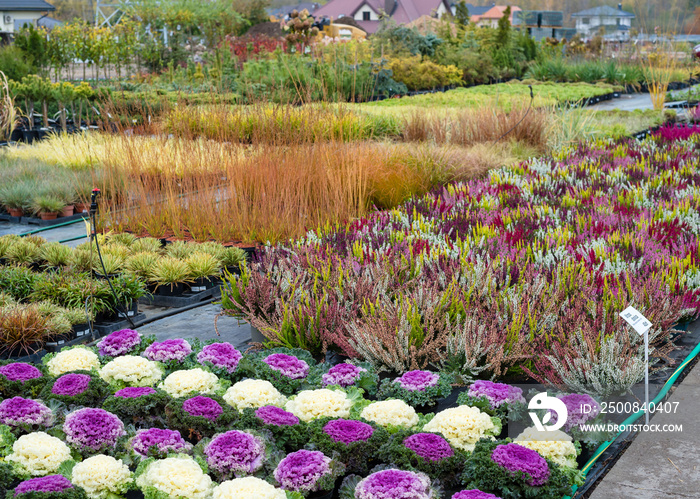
[50,227]
[634,417]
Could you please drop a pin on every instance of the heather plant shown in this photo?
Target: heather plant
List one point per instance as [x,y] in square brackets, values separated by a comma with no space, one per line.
[522,273]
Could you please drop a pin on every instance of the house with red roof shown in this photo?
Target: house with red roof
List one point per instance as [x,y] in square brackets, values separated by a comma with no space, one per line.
[368,13]
[491,17]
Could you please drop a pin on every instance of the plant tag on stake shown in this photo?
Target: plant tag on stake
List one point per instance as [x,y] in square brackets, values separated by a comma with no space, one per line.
[641,324]
[635,319]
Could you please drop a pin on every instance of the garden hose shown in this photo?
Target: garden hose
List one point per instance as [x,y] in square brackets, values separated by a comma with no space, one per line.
[634,417]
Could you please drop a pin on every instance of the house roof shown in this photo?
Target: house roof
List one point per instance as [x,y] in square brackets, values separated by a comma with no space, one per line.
[495,12]
[603,11]
[404,12]
[25,5]
[475,10]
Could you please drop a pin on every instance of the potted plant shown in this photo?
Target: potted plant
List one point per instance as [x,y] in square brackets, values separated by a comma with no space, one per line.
[109,267]
[170,276]
[16,197]
[55,255]
[22,252]
[23,329]
[203,267]
[48,207]
[141,264]
[233,258]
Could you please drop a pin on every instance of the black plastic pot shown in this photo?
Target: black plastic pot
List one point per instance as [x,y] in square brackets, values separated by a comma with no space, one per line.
[204,283]
[30,136]
[28,353]
[172,290]
[81,330]
[131,311]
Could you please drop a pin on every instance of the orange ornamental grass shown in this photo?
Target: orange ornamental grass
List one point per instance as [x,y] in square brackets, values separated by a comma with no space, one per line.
[202,190]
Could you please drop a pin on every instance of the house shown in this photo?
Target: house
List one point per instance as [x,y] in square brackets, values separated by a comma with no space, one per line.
[612,22]
[541,24]
[474,10]
[368,13]
[491,17]
[16,13]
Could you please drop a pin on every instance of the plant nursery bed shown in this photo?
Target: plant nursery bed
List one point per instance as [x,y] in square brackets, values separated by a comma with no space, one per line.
[185,300]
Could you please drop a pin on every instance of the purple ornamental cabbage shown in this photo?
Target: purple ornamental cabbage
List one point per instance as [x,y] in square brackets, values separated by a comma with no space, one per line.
[515,458]
[288,365]
[71,384]
[393,484]
[343,375]
[496,393]
[132,392]
[348,430]
[429,446]
[47,484]
[235,452]
[301,470]
[414,381]
[202,406]
[118,343]
[93,429]
[18,411]
[581,408]
[20,371]
[221,355]
[273,415]
[474,494]
[167,350]
[164,441]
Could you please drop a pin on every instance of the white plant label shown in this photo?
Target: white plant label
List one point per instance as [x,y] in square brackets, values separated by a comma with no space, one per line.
[634,318]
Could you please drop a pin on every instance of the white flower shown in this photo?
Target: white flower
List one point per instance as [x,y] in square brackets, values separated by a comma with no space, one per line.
[253,393]
[391,412]
[39,453]
[462,426]
[177,477]
[182,383]
[554,445]
[312,404]
[74,359]
[249,486]
[102,476]
[132,371]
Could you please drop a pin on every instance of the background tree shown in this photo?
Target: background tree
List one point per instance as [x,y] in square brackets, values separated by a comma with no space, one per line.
[462,16]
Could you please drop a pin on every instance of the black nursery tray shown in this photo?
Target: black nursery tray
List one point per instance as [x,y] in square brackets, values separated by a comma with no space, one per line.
[183,300]
[109,327]
[49,223]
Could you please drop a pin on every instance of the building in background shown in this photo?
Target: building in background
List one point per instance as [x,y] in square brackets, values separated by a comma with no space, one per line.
[490,17]
[613,23]
[542,24]
[16,13]
[368,13]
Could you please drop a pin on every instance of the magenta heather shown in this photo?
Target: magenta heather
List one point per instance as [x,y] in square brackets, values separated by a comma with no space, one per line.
[236,452]
[496,393]
[93,429]
[343,375]
[119,343]
[168,350]
[429,446]
[70,385]
[301,470]
[20,371]
[348,430]
[164,441]
[288,365]
[516,458]
[474,494]
[50,483]
[202,406]
[417,380]
[18,411]
[273,415]
[132,392]
[221,355]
